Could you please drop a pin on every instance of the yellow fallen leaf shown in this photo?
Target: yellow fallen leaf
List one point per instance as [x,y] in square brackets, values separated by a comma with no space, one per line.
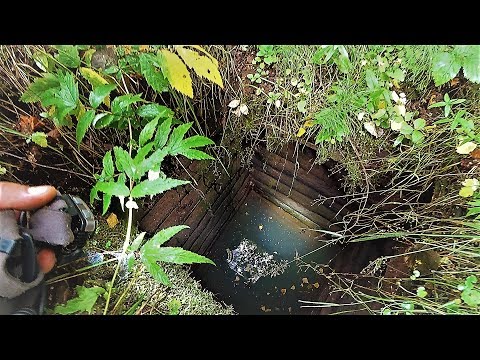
[305,280]
[112,220]
[283,291]
[466,191]
[301,131]
[260,227]
[202,65]
[176,72]
[308,123]
[316,285]
[94,78]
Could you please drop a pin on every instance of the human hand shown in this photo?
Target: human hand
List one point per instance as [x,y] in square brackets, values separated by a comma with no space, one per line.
[22,197]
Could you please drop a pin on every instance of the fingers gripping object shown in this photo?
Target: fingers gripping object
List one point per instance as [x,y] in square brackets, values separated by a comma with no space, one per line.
[64,225]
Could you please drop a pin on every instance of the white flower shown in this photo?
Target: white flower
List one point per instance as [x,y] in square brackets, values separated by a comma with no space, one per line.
[153,175]
[466,148]
[131,204]
[234,103]
[364,62]
[277,103]
[370,127]
[244,109]
[360,115]
[122,201]
[395,97]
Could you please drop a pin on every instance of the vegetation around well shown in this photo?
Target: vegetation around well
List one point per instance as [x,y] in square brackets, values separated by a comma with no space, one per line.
[397,126]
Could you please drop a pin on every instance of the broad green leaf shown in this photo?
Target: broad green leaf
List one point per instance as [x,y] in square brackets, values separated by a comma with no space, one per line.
[113,188]
[421,292]
[471,297]
[473,211]
[162,133]
[176,255]
[99,94]
[154,110]
[202,65]
[196,141]
[156,271]
[142,153]
[93,195]
[68,56]
[137,242]
[84,121]
[152,162]
[107,162]
[123,102]
[153,76]
[176,72]
[65,99]
[147,132]
[343,63]
[155,187]
[471,64]
[94,78]
[470,280]
[419,124]
[164,235]
[103,120]
[40,138]
[445,67]
[107,199]
[176,138]
[174,307]
[417,136]
[397,74]
[124,162]
[85,300]
[372,81]
[41,60]
[406,129]
[36,89]
[194,154]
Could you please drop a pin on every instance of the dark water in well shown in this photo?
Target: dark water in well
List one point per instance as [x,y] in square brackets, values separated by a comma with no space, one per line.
[274,231]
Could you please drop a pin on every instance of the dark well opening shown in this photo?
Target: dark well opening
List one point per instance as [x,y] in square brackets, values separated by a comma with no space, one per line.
[271,209]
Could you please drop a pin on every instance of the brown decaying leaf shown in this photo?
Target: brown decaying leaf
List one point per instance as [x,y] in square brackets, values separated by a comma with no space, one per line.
[305,280]
[112,220]
[28,124]
[475,154]
[283,291]
[54,134]
[292,287]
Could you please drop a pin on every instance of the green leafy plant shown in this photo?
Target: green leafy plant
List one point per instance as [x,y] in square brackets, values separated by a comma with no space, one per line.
[84,302]
[447,64]
[470,295]
[336,54]
[447,103]
[135,172]
[267,54]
